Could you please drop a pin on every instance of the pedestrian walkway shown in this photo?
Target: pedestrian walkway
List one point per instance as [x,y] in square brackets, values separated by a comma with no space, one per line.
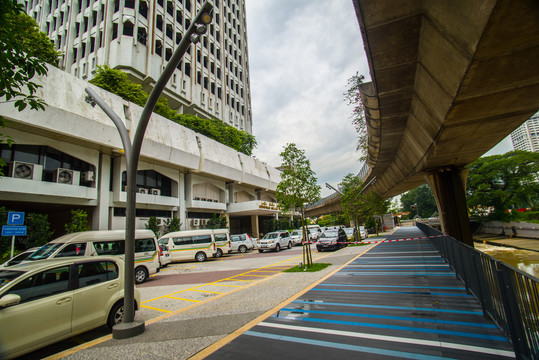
[398,300]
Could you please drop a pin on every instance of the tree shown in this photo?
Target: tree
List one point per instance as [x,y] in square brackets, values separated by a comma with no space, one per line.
[38,231]
[24,50]
[297,187]
[353,97]
[172,224]
[359,205]
[504,182]
[419,201]
[153,225]
[78,222]
[216,222]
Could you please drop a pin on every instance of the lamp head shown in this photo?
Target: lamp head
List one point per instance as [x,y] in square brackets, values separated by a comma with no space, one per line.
[201,29]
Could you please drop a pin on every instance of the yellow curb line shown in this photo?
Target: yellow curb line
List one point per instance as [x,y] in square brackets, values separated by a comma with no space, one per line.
[216,346]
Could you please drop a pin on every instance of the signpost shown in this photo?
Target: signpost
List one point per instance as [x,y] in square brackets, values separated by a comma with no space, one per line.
[14,227]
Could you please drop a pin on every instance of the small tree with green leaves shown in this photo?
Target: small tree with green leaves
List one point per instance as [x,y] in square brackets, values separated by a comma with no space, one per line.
[153,225]
[353,97]
[216,222]
[78,223]
[297,188]
[172,224]
[38,231]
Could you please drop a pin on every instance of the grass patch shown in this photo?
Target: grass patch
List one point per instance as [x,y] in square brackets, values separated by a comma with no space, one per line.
[313,268]
[360,244]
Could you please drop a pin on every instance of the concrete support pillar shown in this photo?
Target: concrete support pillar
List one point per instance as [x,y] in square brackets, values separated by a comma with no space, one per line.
[255,226]
[100,215]
[448,186]
[182,195]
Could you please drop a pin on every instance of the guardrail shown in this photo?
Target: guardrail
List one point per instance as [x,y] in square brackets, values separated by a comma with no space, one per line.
[507,295]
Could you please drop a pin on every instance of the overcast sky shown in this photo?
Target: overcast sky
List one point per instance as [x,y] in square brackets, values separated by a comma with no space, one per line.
[301,54]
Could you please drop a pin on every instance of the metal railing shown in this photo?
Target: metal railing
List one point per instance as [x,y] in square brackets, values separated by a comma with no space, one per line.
[507,295]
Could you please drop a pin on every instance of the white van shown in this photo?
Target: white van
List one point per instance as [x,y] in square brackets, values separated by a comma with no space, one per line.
[105,242]
[196,244]
[222,241]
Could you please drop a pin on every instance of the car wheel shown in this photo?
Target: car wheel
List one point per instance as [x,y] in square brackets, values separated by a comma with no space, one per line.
[141,274]
[242,249]
[289,245]
[260,251]
[116,314]
[277,248]
[318,249]
[200,256]
[219,253]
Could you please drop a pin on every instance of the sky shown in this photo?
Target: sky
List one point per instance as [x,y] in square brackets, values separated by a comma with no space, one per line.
[301,55]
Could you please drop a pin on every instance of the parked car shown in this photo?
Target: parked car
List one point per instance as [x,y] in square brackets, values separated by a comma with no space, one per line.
[363,232]
[350,233]
[314,232]
[297,237]
[332,240]
[274,241]
[164,256]
[19,257]
[43,302]
[241,243]
[105,242]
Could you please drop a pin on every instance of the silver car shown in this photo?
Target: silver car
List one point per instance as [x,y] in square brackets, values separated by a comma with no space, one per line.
[275,241]
[241,243]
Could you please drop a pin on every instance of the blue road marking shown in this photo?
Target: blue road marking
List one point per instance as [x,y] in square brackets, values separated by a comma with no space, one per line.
[395,286]
[334,345]
[390,307]
[392,292]
[398,318]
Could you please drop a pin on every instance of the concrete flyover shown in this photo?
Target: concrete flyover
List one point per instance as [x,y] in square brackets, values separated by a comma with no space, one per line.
[450,79]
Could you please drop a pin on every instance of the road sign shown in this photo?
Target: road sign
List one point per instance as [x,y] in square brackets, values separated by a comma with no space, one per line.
[9,230]
[15,218]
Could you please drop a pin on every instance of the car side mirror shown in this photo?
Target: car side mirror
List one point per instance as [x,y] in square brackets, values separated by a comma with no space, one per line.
[9,300]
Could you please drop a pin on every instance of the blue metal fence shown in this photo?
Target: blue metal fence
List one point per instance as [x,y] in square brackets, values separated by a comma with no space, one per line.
[508,296]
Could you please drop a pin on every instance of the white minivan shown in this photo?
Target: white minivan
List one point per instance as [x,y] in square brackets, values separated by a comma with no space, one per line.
[105,242]
[196,244]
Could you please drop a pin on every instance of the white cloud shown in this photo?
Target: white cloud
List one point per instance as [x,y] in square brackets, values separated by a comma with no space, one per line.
[301,54]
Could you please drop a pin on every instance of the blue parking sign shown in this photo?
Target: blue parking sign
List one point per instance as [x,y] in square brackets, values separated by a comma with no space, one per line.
[15,218]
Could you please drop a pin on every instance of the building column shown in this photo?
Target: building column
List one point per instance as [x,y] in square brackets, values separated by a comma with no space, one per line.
[255,226]
[448,186]
[182,210]
[100,216]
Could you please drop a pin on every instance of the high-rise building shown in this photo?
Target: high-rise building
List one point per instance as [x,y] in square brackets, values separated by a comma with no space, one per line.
[140,36]
[526,136]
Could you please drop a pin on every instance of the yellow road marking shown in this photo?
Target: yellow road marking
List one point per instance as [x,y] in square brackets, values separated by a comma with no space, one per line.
[154,308]
[184,299]
[205,291]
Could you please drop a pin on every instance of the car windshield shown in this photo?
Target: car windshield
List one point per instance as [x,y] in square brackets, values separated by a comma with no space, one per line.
[44,252]
[8,275]
[271,236]
[296,232]
[349,231]
[330,234]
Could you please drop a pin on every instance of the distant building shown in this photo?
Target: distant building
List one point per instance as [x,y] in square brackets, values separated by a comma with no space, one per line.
[526,137]
[140,36]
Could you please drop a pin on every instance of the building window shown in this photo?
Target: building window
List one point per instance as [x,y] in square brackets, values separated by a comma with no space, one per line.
[128,29]
[187,69]
[141,35]
[143,9]
[159,48]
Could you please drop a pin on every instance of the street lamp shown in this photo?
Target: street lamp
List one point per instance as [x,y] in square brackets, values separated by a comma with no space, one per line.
[129,327]
[332,188]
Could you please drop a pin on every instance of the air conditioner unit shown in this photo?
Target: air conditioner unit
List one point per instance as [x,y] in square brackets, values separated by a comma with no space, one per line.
[155,191]
[159,221]
[142,190]
[87,176]
[22,170]
[66,176]
[196,222]
[203,221]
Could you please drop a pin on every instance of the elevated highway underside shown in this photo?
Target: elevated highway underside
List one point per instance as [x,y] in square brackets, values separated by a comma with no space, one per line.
[450,79]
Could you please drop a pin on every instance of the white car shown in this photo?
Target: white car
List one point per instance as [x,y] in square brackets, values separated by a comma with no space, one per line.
[43,302]
[241,243]
[275,241]
[164,256]
[19,257]
[297,237]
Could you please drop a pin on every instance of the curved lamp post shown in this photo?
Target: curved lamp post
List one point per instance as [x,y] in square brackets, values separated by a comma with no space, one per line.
[129,327]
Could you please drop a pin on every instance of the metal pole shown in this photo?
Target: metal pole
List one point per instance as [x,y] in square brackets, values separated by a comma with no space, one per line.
[129,328]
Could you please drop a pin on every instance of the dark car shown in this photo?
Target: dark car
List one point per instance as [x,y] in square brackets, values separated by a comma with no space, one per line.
[333,239]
